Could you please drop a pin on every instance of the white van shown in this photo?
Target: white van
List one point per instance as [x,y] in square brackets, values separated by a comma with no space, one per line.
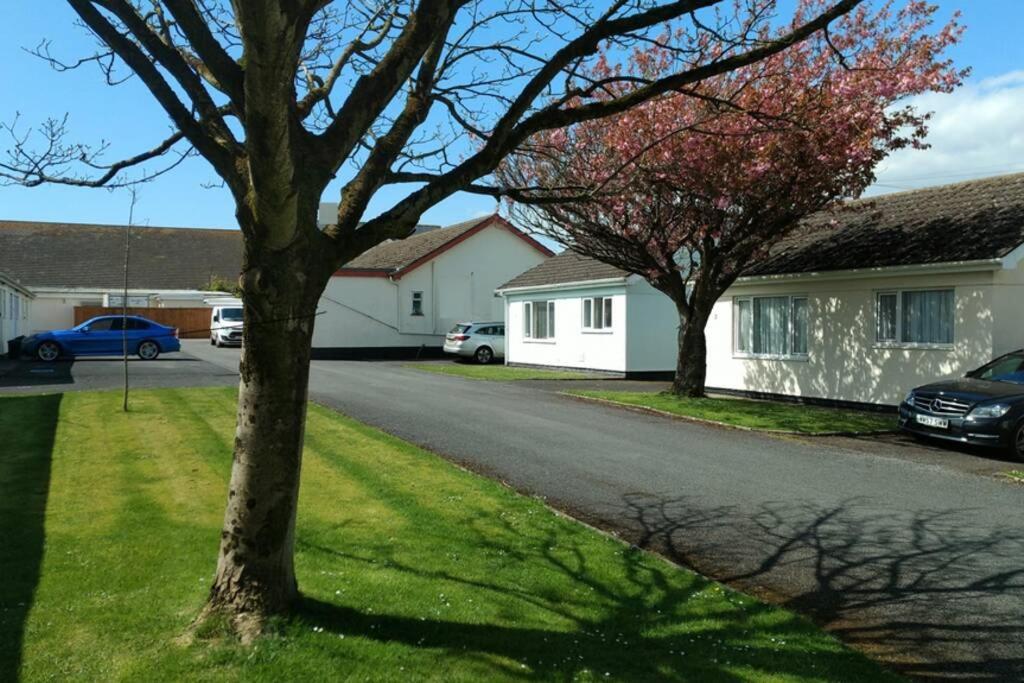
[226,325]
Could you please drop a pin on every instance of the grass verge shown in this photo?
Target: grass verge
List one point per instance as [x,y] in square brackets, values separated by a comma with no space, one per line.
[1015,475]
[761,415]
[411,568]
[498,373]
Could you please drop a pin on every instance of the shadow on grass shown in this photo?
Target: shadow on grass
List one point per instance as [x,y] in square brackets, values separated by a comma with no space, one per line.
[929,592]
[643,625]
[28,425]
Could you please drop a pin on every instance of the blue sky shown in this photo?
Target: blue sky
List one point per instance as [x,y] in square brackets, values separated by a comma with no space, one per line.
[977,131]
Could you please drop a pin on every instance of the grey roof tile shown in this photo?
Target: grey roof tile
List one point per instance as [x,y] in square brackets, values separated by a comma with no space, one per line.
[82,255]
[397,254]
[974,220]
[563,268]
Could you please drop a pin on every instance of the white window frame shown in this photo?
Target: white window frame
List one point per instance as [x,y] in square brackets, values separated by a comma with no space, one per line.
[416,299]
[791,331]
[898,343]
[607,311]
[530,322]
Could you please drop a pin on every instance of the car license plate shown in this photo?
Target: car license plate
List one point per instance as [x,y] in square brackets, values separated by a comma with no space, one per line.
[929,421]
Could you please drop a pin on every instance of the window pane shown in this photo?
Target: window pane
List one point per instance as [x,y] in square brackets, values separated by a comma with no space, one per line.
[608,312]
[587,305]
[771,325]
[928,317]
[885,318]
[527,320]
[540,320]
[743,314]
[800,326]
[598,314]
[551,319]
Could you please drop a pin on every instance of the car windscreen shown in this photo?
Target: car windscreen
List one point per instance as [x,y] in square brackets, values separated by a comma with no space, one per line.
[460,329]
[1006,369]
[232,314]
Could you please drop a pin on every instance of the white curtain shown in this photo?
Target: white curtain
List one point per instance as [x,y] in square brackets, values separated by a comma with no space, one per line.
[540,318]
[928,317]
[800,326]
[885,318]
[743,325]
[771,325]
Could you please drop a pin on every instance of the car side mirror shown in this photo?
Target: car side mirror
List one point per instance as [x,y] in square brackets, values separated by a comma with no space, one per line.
[85,329]
[216,319]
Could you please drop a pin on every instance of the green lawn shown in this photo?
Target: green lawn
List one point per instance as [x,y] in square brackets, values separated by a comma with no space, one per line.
[412,569]
[496,372]
[767,415]
[1016,475]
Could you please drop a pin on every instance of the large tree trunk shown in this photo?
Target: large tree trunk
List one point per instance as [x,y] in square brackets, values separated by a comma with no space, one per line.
[692,354]
[255,571]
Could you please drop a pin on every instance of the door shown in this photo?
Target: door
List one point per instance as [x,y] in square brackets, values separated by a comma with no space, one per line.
[98,338]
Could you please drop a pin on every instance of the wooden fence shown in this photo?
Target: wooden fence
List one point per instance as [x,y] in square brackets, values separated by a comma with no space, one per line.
[193,323]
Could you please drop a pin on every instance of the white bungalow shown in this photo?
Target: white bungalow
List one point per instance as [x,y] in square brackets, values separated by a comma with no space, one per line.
[898,291]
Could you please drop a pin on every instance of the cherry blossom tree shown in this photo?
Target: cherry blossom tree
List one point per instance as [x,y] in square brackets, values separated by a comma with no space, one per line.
[692,187]
[412,100]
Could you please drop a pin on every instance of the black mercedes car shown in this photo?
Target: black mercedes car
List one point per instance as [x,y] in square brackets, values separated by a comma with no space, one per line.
[985,408]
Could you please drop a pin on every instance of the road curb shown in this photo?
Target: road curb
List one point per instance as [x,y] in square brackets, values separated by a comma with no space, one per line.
[717,423]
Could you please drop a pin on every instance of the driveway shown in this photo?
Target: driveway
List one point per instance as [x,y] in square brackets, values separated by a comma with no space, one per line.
[172,370]
[919,564]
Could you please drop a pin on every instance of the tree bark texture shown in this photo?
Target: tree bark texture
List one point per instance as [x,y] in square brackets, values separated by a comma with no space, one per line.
[691,358]
[255,570]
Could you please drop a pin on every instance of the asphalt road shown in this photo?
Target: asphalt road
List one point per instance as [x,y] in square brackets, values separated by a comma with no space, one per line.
[919,564]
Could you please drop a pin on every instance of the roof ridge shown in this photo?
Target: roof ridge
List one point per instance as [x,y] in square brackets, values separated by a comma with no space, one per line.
[10,223]
[933,188]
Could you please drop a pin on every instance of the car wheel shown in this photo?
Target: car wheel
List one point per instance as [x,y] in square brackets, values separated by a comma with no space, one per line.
[217,343]
[213,342]
[148,350]
[1017,444]
[48,351]
[484,355]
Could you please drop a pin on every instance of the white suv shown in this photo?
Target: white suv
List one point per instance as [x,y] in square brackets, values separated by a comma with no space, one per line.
[481,341]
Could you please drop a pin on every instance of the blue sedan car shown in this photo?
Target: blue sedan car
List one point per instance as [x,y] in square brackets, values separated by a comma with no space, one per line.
[103,336]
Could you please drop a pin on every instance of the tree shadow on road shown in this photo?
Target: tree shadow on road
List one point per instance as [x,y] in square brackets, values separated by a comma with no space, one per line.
[923,591]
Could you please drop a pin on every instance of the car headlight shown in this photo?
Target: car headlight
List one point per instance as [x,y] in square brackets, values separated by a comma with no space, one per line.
[990,410]
[909,398]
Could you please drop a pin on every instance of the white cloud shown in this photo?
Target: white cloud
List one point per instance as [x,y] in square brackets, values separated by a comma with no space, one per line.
[976,131]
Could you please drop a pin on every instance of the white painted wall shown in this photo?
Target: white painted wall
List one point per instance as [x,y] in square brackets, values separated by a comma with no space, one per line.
[457,286]
[56,310]
[362,312]
[572,346]
[843,361]
[653,326]
[1008,311]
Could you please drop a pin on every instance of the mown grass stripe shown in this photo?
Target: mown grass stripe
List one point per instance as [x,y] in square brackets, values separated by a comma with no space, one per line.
[411,569]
